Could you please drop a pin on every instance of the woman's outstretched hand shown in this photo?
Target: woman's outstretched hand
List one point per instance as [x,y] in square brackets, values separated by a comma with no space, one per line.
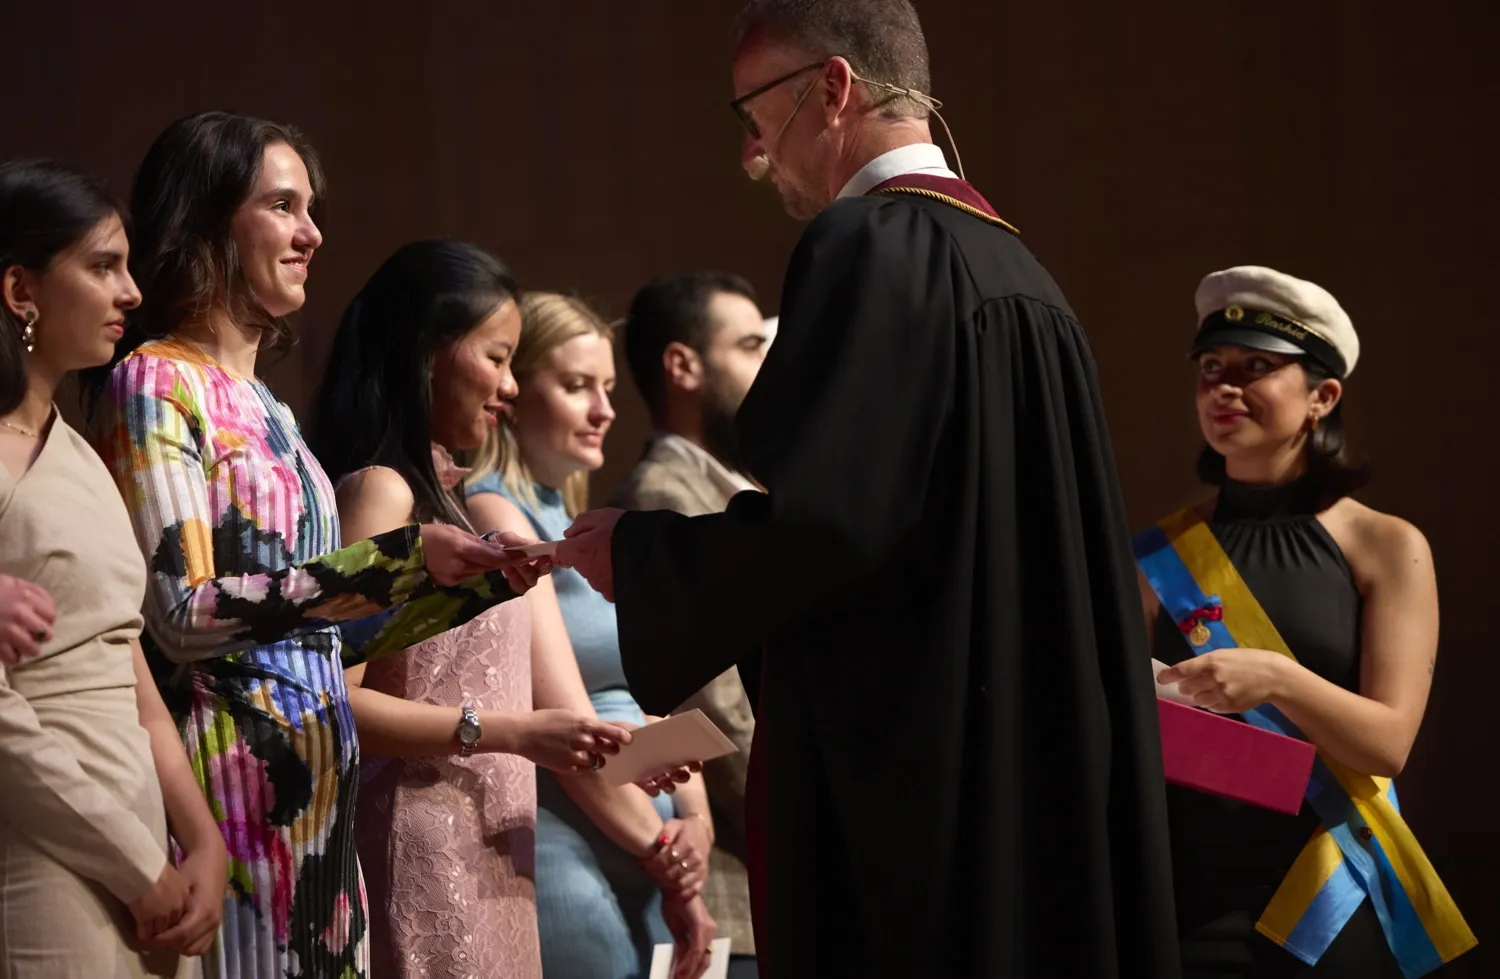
[567,741]
[455,555]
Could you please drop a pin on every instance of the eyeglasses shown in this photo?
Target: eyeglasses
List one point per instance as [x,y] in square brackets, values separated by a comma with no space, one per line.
[921,98]
[738,105]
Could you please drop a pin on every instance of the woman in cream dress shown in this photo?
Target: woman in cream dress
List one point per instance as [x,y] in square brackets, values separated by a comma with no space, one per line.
[92,768]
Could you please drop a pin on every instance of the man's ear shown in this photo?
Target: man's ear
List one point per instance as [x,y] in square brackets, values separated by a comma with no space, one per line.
[837,79]
[682,366]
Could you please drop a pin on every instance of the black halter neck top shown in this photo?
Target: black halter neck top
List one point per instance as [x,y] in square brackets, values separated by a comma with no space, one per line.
[1230,857]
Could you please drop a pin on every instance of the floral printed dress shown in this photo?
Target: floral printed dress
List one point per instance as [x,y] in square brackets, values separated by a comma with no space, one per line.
[247,587]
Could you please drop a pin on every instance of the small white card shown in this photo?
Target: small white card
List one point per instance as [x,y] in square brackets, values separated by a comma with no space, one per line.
[718,960]
[1169,691]
[545,548]
[667,744]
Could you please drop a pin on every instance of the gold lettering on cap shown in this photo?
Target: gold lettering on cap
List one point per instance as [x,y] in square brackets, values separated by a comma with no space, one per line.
[1280,326]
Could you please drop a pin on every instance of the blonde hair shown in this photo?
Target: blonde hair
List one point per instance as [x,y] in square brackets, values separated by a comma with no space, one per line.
[548,320]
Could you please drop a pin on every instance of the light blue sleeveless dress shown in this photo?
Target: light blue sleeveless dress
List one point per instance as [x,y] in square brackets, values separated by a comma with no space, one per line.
[598,912]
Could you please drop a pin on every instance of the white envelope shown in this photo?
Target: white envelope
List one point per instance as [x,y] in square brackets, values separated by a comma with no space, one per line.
[718,960]
[669,743]
[545,548]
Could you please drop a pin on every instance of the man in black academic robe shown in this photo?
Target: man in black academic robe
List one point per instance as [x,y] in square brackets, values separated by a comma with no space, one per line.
[956,769]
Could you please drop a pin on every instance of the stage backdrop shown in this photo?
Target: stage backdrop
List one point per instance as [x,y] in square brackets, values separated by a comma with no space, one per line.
[1137,146]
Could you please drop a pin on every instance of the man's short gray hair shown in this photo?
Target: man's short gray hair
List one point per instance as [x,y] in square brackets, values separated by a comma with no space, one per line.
[881,39]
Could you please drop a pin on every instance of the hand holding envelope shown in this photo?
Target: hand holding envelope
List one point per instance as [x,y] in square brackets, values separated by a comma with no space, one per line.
[1223,756]
[1168,691]
[521,570]
[679,863]
[1228,681]
[677,743]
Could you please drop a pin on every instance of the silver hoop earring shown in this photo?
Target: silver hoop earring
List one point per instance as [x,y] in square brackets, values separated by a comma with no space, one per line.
[28,332]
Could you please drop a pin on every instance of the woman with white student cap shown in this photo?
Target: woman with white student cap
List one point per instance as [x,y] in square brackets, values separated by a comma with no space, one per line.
[1284,602]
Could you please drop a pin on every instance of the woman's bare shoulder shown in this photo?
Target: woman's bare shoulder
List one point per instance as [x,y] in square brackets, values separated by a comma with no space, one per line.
[373,500]
[1374,542]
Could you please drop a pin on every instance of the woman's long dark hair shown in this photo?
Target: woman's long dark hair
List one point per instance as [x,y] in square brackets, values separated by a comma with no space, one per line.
[45,209]
[194,177]
[374,405]
[1332,467]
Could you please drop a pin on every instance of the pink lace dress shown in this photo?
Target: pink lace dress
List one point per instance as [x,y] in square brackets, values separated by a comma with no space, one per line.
[447,844]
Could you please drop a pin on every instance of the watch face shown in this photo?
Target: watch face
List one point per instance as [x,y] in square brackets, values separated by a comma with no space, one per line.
[468,732]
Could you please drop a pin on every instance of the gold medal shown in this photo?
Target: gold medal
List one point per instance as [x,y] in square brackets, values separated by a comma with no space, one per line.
[1199,635]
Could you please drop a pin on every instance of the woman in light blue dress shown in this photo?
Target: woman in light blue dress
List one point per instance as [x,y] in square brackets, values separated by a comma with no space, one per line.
[617,871]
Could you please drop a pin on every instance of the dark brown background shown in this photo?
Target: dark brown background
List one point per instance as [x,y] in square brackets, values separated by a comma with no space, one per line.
[1137,146]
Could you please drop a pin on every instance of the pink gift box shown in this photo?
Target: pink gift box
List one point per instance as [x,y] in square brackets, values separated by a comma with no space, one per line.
[1223,756]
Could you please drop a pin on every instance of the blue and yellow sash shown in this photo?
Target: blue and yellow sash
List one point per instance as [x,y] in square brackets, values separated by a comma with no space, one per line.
[1364,848]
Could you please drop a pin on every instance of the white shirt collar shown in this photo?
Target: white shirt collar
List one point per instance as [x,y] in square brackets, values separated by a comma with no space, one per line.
[925,158]
[728,481]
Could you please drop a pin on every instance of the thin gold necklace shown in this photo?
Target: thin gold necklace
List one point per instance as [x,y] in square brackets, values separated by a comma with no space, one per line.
[24,431]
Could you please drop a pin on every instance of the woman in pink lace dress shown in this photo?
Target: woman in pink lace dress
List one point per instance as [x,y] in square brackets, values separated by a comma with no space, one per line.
[446,843]
[446,818]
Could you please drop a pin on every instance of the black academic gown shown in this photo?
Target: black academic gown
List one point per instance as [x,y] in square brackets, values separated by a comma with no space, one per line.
[957,769]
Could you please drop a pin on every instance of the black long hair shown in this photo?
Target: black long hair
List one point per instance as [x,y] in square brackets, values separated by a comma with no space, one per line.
[374,404]
[1333,468]
[45,209]
[194,177]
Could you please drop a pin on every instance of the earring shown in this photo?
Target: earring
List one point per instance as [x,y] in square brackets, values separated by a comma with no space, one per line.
[28,332]
[1314,419]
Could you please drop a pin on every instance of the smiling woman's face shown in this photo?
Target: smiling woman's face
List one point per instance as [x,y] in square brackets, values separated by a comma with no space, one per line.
[1252,401]
[274,232]
[472,383]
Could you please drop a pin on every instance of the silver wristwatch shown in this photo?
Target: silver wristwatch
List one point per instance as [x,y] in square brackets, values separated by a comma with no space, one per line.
[469,732]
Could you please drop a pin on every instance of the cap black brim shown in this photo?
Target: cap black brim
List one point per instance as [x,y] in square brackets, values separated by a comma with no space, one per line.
[1253,339]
